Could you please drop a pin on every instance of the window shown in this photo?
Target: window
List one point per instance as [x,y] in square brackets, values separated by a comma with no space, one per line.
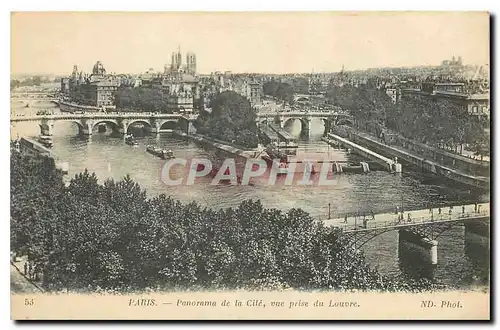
[474,109]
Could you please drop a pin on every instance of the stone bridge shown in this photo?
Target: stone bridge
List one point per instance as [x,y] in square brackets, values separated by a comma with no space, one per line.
[32,99]
[418,228]
[120,122]
[330,118]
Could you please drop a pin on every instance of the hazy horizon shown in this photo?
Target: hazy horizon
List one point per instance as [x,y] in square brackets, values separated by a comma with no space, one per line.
[50,43]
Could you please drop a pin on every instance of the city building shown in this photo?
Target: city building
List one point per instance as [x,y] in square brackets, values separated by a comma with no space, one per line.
[242,84]
[96,89]
[393,93]
[474,104]
[178,83]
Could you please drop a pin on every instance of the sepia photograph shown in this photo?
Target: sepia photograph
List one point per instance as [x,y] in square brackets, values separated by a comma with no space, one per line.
[250,165]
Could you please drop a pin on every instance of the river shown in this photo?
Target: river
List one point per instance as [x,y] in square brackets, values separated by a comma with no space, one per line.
[378,191]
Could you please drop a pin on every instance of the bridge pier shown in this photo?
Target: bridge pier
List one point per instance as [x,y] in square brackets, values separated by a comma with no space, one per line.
[47,127]
[154,127]
[279,120]
[477,235]
[416,248]
[328,126]
[87,127]
[306,126]
[122,127]
[477,249]
[191,128]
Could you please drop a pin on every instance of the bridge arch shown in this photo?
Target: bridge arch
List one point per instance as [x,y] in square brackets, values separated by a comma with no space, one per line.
[18,103]
[302,99]
[175,123]
[111,122]
[138,121]
[287,121]
[344,121]
[433,231]
[169,124]
[43,104]
[79,125]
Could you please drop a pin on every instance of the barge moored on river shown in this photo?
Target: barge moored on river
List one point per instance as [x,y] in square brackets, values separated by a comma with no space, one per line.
[130,140]
[159,152]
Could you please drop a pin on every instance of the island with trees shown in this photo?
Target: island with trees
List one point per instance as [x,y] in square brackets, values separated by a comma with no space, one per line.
[231,119]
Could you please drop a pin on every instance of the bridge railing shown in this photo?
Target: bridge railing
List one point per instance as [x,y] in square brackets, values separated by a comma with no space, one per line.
[417,221]
[106,115]
[301,113]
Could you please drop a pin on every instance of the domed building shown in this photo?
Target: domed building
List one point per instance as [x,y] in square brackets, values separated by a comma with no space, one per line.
[95,90]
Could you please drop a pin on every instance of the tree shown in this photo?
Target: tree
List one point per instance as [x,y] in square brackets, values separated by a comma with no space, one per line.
[14,83]
[111,236]
[282,91]
[140,99]
[232,119]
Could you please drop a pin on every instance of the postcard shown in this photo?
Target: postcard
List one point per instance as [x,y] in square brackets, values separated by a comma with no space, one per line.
[250,166]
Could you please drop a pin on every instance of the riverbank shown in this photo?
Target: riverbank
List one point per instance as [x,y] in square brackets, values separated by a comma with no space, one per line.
[414,159]
[32,147]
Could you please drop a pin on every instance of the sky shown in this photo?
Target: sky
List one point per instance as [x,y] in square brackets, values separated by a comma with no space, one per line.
[265,42]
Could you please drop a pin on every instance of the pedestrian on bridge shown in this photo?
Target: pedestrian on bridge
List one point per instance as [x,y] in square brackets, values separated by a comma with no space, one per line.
[463,209]
[475,207]
[439,210]
[430,210]
[479,209]
[449,211]
[345,219]
[409,217]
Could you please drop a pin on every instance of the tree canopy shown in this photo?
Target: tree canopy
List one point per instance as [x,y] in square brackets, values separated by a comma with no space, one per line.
[442,123]
[282,91]
[140,99]
[91,237]
[232,119]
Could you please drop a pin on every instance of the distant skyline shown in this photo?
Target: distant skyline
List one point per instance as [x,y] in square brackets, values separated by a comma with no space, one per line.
[253,42]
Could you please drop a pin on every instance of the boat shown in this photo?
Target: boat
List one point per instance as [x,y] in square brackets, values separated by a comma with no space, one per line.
[129,139]
[46,141]
[167,154]
[363,167]
[159,152]
[274,153]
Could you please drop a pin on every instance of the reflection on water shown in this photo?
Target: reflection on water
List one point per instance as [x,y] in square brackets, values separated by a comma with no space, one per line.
[109,157]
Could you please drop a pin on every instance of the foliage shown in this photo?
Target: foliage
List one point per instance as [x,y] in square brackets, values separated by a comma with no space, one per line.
[14,83]
[232,119]
[140,99]
[282,91]
[441,123]
[110,236]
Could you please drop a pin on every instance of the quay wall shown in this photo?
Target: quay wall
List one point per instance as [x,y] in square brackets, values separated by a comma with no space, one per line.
[446,158]
[419,161]
[30,146]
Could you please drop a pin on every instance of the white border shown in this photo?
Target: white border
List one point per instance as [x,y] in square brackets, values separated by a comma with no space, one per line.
[199,5]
